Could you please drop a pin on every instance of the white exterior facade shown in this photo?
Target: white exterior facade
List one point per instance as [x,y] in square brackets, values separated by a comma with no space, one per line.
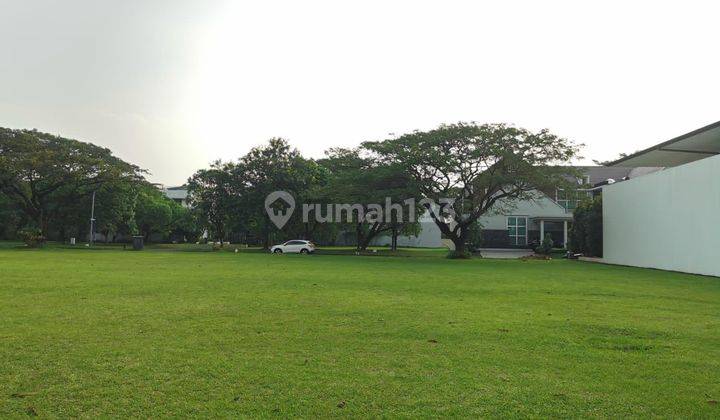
[535,214]
[666,220]
[429,236]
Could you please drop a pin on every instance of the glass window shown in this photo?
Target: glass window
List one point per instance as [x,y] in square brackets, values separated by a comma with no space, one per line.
[517,230]
[572,198]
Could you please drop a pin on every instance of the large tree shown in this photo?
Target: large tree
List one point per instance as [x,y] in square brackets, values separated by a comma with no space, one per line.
[153,212]
[10,217]
[39,171]
[358,179]
[114,213]
[213,194]
[275,166]
[477,169]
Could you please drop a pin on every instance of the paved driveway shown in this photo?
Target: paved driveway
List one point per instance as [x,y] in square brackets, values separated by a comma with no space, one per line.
[504,253]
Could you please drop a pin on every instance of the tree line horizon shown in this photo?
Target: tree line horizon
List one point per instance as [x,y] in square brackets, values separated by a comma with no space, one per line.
[46,183]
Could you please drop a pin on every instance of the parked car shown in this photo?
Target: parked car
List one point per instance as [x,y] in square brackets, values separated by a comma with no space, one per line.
[295,246]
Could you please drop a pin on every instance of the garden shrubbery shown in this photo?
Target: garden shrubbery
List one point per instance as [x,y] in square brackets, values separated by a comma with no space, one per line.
[32,237]
[546,246]
[586,233]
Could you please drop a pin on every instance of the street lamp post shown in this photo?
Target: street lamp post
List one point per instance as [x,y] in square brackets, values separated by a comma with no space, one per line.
[92,220]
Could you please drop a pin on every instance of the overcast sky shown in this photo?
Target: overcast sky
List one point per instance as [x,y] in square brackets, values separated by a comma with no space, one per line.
[173,85]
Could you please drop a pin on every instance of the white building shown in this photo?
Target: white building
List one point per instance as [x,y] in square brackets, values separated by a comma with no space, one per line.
[668,219]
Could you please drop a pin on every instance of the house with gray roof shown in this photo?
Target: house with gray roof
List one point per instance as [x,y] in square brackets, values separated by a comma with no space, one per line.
[522,223]
[549,212]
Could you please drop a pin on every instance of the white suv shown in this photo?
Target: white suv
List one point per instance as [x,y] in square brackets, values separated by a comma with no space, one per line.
[294,246]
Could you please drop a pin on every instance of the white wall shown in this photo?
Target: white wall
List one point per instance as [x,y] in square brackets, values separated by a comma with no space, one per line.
[429,236]
[667,220]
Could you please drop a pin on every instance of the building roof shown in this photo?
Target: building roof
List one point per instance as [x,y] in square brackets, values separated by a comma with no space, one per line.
[599,174]
[176,192]
[695,145]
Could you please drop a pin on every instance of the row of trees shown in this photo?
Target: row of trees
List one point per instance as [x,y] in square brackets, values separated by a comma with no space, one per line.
[47,183]
[468,169]
[230,196]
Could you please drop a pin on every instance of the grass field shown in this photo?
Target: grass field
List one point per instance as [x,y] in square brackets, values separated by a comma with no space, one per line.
[117,333]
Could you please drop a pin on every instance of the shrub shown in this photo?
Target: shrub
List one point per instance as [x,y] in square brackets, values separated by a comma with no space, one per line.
[32,237]
[474,241]
[586,233]
[545,246]
[456,255]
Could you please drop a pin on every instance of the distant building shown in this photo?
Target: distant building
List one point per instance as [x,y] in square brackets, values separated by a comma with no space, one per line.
[177,194]
[529,220]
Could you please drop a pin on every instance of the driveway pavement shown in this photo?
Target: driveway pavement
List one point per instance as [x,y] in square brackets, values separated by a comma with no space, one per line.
[505,253]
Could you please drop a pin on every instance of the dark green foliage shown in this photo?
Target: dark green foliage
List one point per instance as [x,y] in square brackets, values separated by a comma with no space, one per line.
[47,182]
[546,246]
[153,213]
[11,218]
[459,255]
[213,194]
[358,178]
[586,232]
[45,175]
[184,227]
[475,240]
[32,237]
[479,167]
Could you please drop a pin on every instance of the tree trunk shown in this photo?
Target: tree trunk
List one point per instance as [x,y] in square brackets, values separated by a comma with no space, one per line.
[460,240]
[459,243]
[360,239]
[220,234]
[364,240]
[393,243]
[266,237]
[306,234]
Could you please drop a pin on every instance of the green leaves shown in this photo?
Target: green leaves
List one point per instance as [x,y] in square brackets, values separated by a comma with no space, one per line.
[479,166]
[45,175]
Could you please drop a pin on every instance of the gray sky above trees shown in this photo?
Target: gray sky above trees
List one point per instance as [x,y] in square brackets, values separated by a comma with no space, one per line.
[171,85]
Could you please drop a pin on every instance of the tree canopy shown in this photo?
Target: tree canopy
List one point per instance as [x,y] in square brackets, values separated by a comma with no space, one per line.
[477,168]
[456,173]
[38,171]
[47,183]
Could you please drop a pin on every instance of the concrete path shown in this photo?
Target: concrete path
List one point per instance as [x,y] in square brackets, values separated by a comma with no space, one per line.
[504,253]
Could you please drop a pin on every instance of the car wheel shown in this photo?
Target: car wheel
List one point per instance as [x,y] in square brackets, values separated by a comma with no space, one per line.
[277,251]
[304,251]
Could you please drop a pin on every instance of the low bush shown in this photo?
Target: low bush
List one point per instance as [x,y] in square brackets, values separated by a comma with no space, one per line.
[32,237]
[456,255]
[586,233]
[546,246]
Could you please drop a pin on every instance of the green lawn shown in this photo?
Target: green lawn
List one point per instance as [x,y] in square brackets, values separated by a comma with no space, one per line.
[158,333]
